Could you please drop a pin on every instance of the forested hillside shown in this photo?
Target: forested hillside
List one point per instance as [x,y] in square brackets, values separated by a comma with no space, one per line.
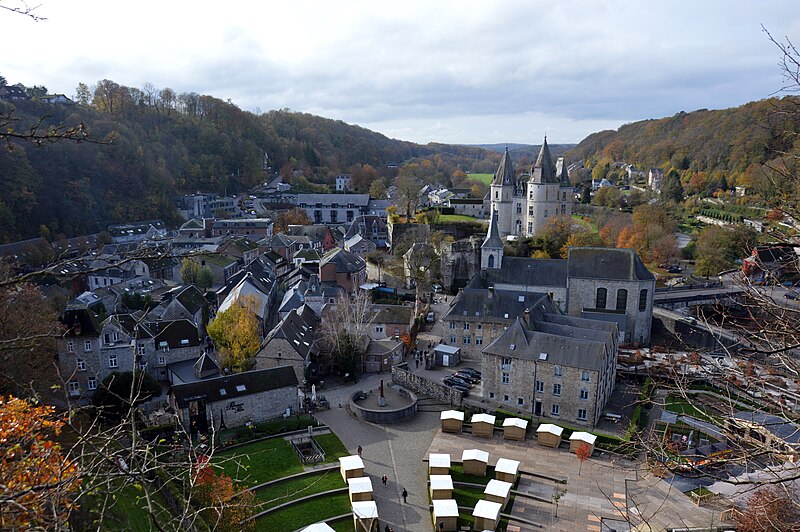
[732,142]
[157,144]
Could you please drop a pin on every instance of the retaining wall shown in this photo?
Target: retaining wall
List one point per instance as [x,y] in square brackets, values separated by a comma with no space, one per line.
[420,384]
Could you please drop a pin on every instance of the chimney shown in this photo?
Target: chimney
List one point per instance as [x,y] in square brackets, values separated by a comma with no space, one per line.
[491,292]
[527,316]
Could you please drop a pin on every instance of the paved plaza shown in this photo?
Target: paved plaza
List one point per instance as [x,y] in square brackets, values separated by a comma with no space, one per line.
[606,488]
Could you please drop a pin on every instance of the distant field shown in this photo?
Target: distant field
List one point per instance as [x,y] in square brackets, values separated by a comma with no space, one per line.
[486,179]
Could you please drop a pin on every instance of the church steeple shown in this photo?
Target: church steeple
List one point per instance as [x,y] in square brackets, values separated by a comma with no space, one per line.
[543,170]
[492,248]
[505,172]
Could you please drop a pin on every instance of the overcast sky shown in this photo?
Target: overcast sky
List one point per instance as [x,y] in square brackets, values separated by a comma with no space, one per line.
[455,72]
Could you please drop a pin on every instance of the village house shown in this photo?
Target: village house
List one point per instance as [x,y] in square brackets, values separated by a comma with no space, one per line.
[293,342]
[344,269]
[255,228]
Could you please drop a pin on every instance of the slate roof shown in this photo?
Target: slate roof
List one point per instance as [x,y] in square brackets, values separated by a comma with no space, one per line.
[344,260]
[493,236]
[502,307]
[363,225]
[260,273]
[315,233]
[136,228]
[392,314]
[174,333]
[248,287]
[191,298]
[236,385]
[298,328]
[525,271]
[607,263]
[543,170]
[505,171]
[785,430]
[81,322]
[520,341]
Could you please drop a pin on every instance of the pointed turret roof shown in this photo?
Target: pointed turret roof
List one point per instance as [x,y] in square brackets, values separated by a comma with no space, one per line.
[543,170]
[505,172]
[493,236]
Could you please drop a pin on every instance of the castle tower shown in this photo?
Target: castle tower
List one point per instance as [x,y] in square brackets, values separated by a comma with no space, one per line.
[492,248]
[544,187]
[565,190]
[504,184]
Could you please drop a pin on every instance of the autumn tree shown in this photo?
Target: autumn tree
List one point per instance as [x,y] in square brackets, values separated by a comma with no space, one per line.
[553,236]
[610,197]
[189,271]
[38,483]
[236,333]
[583,453]
[671,187]
[224,505]
[770,509]
[205,278]
[377,189]
[291,217]
[408,191]
[581,238]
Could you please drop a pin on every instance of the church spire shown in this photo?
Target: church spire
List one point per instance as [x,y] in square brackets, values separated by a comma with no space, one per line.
[543,170]
[492,248]
[505,172]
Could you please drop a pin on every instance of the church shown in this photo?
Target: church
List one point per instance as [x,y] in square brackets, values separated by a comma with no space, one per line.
[523,206]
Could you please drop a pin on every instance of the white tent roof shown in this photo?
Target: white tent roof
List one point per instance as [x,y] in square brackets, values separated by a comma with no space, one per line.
[445,508]
[483,418]
[515,422]
[487,509]
[441,482]
[549,427]
[365,509]
[359,485]
[318,527]
[497,488]
[475,454]
[452,414]
[446,349]
[583,436]
[504,465]
[439,460]
[351,462]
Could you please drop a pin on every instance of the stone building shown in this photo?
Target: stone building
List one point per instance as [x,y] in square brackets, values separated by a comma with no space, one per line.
[552,366]
[234,400]
[343,268]
[524,205]
[293,342]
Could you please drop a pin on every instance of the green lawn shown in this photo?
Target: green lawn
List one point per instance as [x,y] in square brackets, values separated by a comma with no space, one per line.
[444,218]
[282,492]
[333,447]
[680,405]
[260,462]
[483,178]
[128,511]
[458,476]
[304,514]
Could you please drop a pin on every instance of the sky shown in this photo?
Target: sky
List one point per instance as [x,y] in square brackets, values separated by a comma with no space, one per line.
[463,71]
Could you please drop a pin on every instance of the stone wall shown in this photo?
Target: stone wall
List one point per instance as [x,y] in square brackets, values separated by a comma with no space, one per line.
[420,384]
[384,416]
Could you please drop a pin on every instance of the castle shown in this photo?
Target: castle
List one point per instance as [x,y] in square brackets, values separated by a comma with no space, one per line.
[523,205]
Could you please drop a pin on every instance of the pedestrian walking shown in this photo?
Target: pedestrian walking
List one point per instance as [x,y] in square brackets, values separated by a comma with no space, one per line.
[384,479]
[386,529]
[441,526]
[417,363]
[359,450]
[405,495]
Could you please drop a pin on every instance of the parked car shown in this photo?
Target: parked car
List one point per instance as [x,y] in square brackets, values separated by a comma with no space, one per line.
[455,381]
[436,288]
[469,370]
[430,317]
[466,377]
[791,294]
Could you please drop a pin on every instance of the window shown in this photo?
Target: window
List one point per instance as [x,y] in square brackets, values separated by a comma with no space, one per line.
[479,340]
[70,346]
[452,325]
[520,401]
[162,361]
[87,345]
[142,365]
[223,392]
[556,389]
[74,388]
[540,386]
[92,384]
[643,299]
[466,326]
[530,210]
[556,371]
[184,342]
[530,227]
[115,337]
[491,395]
[496,194]
[452,338]
[140,349]
[585,376]
[379,328]
[563,196]
[582,414]
[466,340]
[600,299]
[81,364]
[112,360]
[519,208]
[479,326]
[505,363]
[164,346]
[554,410]
[622,299]
[506,378]
[505,398]
[584,394]
[241,388]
